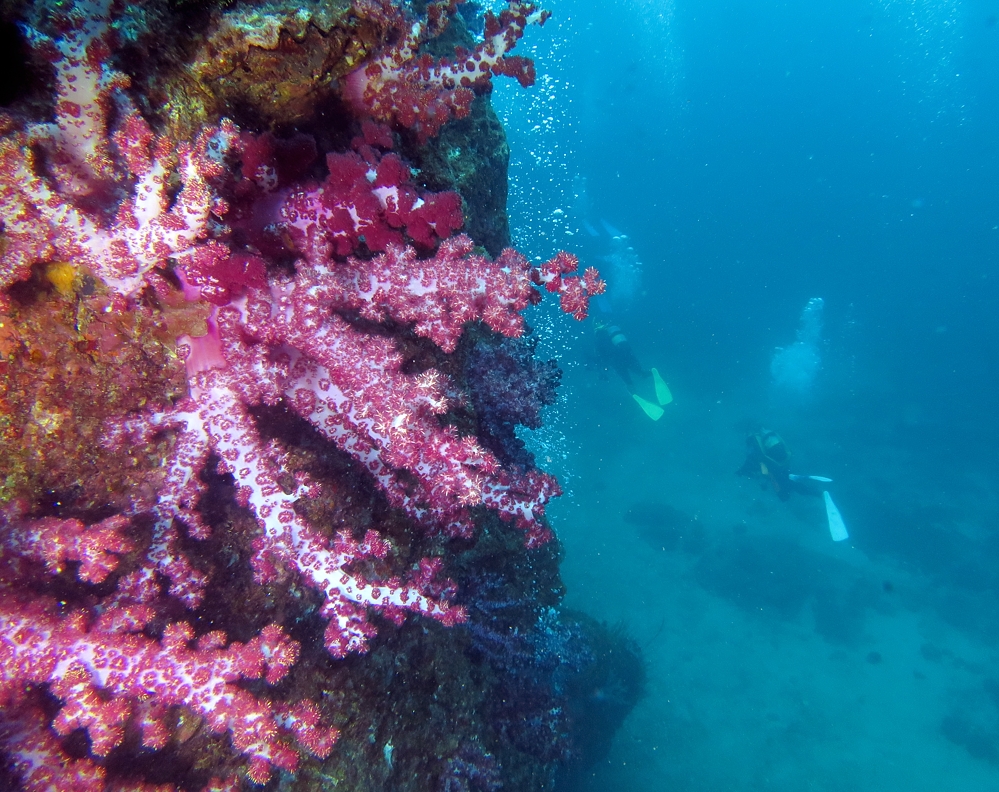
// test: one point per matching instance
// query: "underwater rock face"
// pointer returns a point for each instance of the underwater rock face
(471, 157)
(509, 388)
(277, 63)
(247, 522)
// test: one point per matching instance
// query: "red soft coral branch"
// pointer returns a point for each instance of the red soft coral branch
(44, 216)
(216, 420)
(440, 295)
(414, 90)
(368, 199)
(80, 663)
(351, 386)
(55, 541)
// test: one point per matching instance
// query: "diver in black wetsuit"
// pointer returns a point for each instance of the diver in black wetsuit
(767, 456)
(613, 350)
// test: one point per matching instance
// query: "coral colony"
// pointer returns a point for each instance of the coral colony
(239, 421)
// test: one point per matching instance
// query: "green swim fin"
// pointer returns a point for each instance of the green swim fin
(663, 396)
(654, 411)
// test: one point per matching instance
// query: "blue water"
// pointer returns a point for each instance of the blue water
(757, 155)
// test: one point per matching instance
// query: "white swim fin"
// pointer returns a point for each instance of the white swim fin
(837, 528)
(663, 396)
(654, 411)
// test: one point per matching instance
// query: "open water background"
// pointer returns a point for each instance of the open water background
(758, 154)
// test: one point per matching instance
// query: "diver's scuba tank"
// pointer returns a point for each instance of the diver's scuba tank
(616, 336)
(773, 448)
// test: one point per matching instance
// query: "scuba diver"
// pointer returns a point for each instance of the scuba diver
(614, 351)
(768, 457)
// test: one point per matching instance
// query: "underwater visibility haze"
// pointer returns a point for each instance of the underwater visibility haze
(443, 396)
(810, 190)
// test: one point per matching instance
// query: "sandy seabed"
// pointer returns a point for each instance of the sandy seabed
(778, 659)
